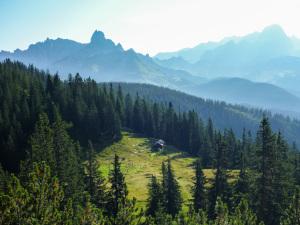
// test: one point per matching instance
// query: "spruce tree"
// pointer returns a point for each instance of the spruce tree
(128, 111)
(96, 183)
(69, 170)
(282, 178)
(199, 196)
(173, 199)
(242, 186)
(155, 198)
(118, 192)
(266, 154)
(220, 186)
(137, 116)
(41, 142)
(120, 104)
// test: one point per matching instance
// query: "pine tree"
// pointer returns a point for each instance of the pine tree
(199, 196)
(128, 111)
(46, 196)
(220, 187)
(96, 183)
(120, 104)
(242, 186)
(173, 199)
(282, 178)
(39, 202)
(137, 116)
(266, 154)
(154, 202)
(42, 148)
(118, 192)
(68, 162)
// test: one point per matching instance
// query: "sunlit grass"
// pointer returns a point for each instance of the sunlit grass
(139, 162)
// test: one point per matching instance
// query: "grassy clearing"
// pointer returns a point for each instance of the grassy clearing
(139, 163)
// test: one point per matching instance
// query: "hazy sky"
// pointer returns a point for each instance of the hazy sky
(148, 26)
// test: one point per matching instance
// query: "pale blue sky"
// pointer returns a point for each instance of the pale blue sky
(148, 26)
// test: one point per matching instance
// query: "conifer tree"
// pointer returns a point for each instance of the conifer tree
(128, 111)
(137, 117)
(96, 183)
(118, 192)
(173, 199)
(266, 154)
(42, 148)
(242, 186)
(155, 198)
(120, 104)
(67, 161)
(282, 177)
(220, 187)
(199, 196)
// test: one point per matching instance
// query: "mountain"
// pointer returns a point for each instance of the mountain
(252, 57)
(267, 56)
(242, 91)
(191, 55)
(101, 59)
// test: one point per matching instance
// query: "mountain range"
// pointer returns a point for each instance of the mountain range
(101, 59)
(258, 70)
(267, 56)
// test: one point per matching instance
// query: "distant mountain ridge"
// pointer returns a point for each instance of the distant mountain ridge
(101, 59)
(252, 57)
(242, 91)
(267, 56)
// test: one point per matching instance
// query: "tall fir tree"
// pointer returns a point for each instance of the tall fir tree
(155, 198)
(242, 187)
(266, 154)
(220, 186)
(199, 195)
(118, 192)
(41, 142)
(173, 199)
(96, 183)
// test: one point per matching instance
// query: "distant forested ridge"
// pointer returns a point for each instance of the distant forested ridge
(49, 171)
(223, 115)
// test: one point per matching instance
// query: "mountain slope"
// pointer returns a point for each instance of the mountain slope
(224, 115)
(242, 91)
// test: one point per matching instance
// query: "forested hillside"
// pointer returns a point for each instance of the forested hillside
(51, 131)
(224, 115)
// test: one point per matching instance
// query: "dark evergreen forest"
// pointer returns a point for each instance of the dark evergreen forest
(49, 130)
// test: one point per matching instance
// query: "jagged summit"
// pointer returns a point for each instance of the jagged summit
(98, 36)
